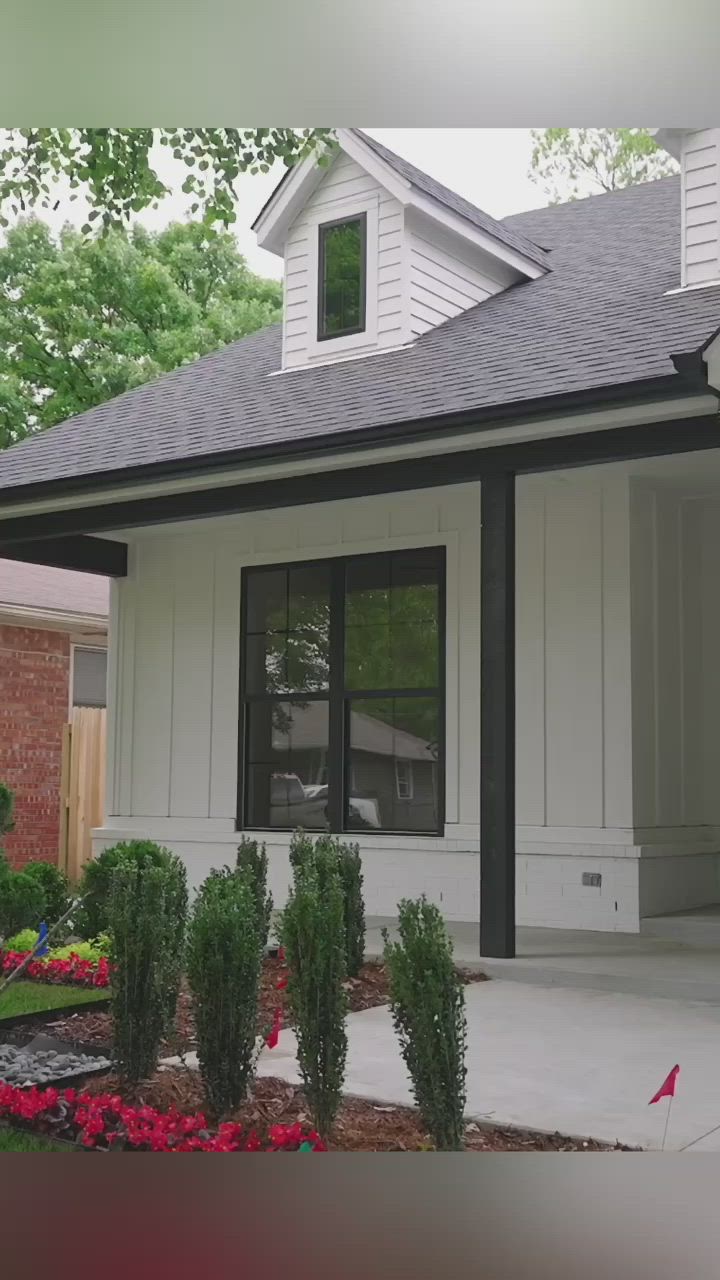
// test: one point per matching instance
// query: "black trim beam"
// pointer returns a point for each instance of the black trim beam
(497, 716)
(647, 392)
(88, 555)
(615, 444)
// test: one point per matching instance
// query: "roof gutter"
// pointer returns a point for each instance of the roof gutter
(648, 391)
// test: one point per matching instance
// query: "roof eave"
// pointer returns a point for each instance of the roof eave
(648, 390)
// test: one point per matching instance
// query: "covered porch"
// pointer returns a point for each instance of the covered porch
(575, 790)
(682, 964)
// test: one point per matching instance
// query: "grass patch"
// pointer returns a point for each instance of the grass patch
(13, 1140)
(34, 997)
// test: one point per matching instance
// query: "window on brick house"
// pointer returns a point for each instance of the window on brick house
(89, 677)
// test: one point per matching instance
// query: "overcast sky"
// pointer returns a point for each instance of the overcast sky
(487, 166)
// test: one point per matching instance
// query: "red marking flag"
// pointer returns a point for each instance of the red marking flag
(275, 1030)
(667, 1088)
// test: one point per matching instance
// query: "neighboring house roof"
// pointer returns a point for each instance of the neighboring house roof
(451, 200)
(367, 733)
(33, 589)
(602, 318)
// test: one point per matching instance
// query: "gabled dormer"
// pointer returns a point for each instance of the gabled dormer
(376, 253)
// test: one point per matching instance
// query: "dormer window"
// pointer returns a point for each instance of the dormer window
(342, 275)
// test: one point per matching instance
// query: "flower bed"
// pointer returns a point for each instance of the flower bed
(368, 991)
(72, 971)
(104, 1122)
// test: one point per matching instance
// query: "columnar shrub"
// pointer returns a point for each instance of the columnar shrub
(55, 887)
(252, 857)
(353, 907)
(147, 911)
(225, 953)
(93, 912)
(303, 849)
(313, 934)
(428, 1010)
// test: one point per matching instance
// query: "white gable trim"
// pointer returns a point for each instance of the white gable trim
(479, 239)
(286, 203)
(293, 193)
(378, 169)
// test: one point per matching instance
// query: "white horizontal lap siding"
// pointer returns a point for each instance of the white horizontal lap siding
(442, 284)
(344, 184)
(701, 207)
(390, 277)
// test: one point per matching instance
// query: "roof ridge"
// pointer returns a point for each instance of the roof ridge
(591, 197)
(453, 200)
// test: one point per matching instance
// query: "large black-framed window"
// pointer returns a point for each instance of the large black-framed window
(342, 270)
(343, 694)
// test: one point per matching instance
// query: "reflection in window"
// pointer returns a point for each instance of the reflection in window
(393, 754)
(341, 278)
(342, 694)
(286, 764)
(403, 779)
(288, 630)
(392, 622)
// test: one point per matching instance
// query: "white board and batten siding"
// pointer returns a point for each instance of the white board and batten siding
(174, 735)
(345, 190)
(176, 663)
(701, 207)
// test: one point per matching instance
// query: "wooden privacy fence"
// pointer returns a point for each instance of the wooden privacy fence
(82, 786)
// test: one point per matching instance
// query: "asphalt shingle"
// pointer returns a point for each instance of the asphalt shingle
(458, 204)
(602, 317)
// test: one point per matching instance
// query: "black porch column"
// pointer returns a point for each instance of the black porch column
(497, 715)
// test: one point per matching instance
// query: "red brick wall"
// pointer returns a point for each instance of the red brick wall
(34, 691)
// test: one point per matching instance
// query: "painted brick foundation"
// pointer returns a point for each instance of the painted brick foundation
(34, 690)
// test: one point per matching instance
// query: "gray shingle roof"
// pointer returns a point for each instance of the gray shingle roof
(423, 182)
(63, 590)
(600, 318)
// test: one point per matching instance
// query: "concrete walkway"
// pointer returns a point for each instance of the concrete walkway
(584, 1062)
(619, 962)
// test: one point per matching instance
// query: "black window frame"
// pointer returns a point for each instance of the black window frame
(338, 696)
(322, 336)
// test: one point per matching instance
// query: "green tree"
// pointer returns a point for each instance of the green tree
(83, 319)
(117, 171)
(571, 163)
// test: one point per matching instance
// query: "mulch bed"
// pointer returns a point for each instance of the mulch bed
(361, 1125)
(367, 991)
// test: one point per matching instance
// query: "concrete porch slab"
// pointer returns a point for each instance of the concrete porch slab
(584, 1063)
(633, 964)
(697, 927)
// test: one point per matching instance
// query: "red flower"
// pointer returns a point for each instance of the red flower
(72, 971)
(103, 1120)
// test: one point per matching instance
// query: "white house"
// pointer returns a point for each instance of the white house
(436, 563)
